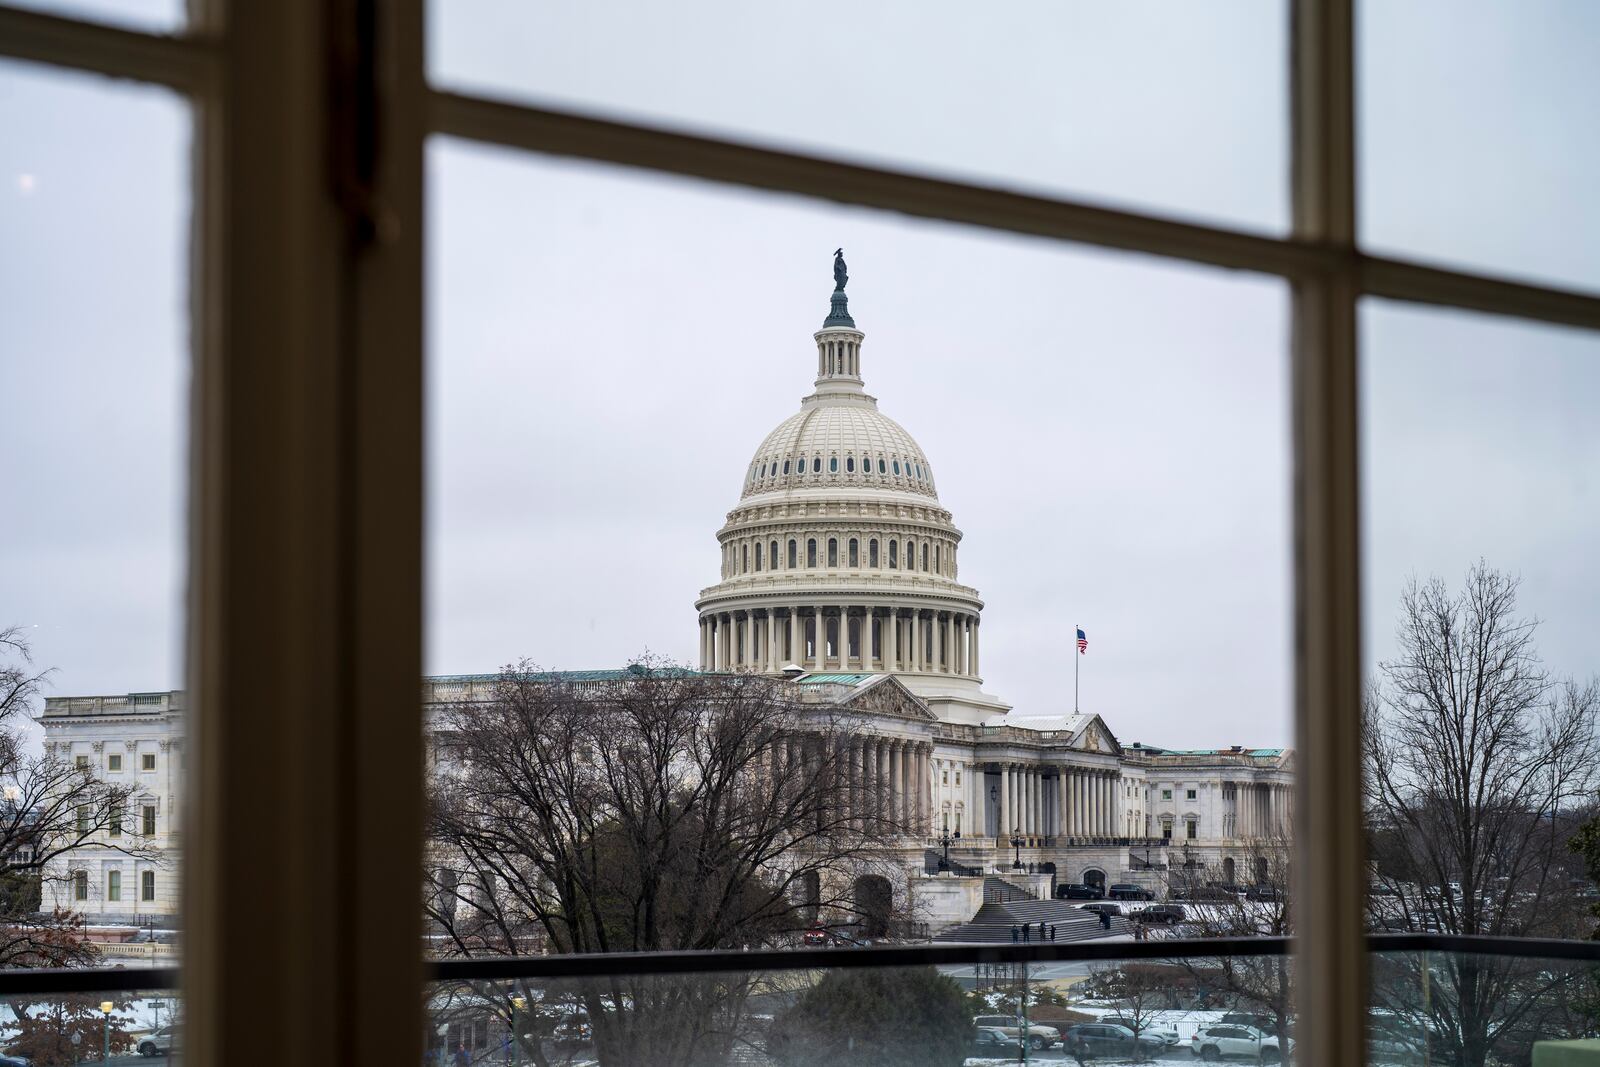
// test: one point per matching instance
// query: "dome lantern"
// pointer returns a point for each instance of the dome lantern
(839, 342)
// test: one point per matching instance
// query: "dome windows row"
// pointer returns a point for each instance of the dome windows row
(767, 471)
(755, 555)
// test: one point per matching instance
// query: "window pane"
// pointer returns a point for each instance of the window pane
(1476, 146)
(599, 315)
(1481, 513)
(94, 364)
(150, 15)
(1176, 108)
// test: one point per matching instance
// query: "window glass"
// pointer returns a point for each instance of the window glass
(1199, 355)
(155, 16)
(1467, 110)
(850, 465)
(94, 219)
(147, 890)
(1084, 100)
(1480, 510)
(113, 885)
(833, 464)
(816, 465)
(881, 468)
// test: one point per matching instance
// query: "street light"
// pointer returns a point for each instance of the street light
(1016, 844)
(106, 1007)
(945, 839)
(517, 1004)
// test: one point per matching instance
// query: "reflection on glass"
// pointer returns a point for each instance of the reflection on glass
(1177, 109)
(1468, 153)
(94, 364)
(665, 394)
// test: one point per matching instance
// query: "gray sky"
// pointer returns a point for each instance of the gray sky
(607, 348)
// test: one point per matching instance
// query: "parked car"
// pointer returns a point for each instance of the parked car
(1264, 892)
(1108, 1039)
(1129, 891)
(1078, 891)
(1162, 913)
(1039, 1037)
(1223, 1041)
(1265, 1023)
(1147, 1028)
(160, 1042)
(1102, 908)
(993, 1041)
(573, 1030)
(817, 936)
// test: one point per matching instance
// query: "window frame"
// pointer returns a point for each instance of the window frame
(283, 294)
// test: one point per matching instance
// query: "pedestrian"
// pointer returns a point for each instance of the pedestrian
(1025, 929)
(1015, 937)
(1041, 929)
(461, 1059)
(1105, 920)
(1052, 931)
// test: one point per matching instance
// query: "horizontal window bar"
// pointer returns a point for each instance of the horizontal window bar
(14, 983)
(564, 133)
(188, 64)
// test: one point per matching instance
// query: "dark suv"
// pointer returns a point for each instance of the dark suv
(1102, 1039)
(1129, 891)
(1078, 891)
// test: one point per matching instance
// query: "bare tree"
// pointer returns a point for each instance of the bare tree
(1474, 757)
(669, 810)
(48, 808)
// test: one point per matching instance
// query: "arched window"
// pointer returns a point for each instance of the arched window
(936, 567)
(924, 555)
(793, 561)
(744, 559)
(894, 555)
(833, 464)
(786, 466)
(897, 468)
(849, 464)
(758, 555)
(147, 885)
(881, 468)
(855, 553)
(872, 552)
(811, 552)
(773, 555)
(816, 465)
(833, 551)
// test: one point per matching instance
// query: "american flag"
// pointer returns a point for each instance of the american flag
(1083, 643)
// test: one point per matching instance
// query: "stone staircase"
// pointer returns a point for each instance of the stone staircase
(997, 890)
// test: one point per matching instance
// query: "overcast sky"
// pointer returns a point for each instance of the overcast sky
(607, 348)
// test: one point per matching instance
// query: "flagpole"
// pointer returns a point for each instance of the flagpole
(1076, 656)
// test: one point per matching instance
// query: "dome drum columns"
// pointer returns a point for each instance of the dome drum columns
(846, 637)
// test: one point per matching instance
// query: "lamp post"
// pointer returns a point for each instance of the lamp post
(1016, 845)
(105, 1008)
(945, 839)
(517, 1004)
(994, 798)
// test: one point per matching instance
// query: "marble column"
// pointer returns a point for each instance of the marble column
(1005, 801)
(896, 794)
(869, 641)
(976, 668)
(891, 640)
(818, 643)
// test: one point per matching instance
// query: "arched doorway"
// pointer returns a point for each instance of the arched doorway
(874, 900)
(1263, 874)
(1095, 877)
(1227, 871)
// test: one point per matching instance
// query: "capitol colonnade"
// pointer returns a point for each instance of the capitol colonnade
(886, 777)
(872, 639)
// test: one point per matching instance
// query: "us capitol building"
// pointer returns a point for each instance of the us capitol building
(840, 570)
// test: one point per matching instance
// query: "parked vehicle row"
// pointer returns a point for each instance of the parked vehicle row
(1236, 1040)
(1038, 1038)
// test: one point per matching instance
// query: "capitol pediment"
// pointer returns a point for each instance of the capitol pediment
(880, 694)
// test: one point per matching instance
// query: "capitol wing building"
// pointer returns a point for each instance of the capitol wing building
(840, 572)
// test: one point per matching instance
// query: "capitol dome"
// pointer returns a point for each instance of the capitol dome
(838, 556)
(832, 443)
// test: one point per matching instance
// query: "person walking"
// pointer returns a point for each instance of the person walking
(1025, 928)
(1015, 936)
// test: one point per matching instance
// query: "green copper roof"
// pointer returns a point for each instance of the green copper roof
(613, 675)
(845, 679)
